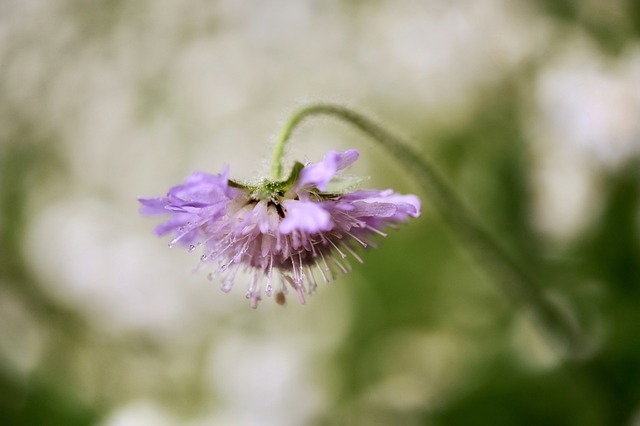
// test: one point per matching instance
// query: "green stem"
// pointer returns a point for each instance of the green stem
(285, 134)
(515, 281)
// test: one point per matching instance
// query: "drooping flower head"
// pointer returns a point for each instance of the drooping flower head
(302, 229)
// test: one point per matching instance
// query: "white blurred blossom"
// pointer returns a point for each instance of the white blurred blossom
(265, 380)
(587, 120)
(140, 413)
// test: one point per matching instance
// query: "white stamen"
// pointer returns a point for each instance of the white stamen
(324, 262)
(297, 287)
(253, 283)
(227, 284)
(296, 279)
(340, 265)
(353, 253)
(300, 295)
(324, 277)
(301, 270)
(362, 243)
(268, 288)
(342, 255)
(377, 231)
(313, 284)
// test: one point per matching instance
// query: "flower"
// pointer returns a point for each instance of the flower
(299, 227)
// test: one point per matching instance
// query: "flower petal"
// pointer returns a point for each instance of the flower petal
(319, 174)
(305, 216)
(373, 209)
(406, 205)
(201, 189)
(152, 206)
(201, 199)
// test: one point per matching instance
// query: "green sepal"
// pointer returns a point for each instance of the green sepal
(341, 185)
(269, 189)
(293, 176)
(234, 184)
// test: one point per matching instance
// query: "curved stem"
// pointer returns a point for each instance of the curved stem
(513, 279)
(285, 134)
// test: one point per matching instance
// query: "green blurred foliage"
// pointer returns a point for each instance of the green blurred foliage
(41, 402)
(485, 161)
(613, 24)
(47, 396)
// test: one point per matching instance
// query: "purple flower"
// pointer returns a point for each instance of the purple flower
(299, 227)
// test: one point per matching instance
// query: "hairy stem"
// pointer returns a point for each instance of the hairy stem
(514, 280)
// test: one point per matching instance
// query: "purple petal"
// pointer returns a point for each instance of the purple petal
(172, 224)
(261, 213)
(201, 199)
(319, 174)
(305, 216)
(201, 189)
(405, 205)
(152, 206)
(373, 209)
(256, 218)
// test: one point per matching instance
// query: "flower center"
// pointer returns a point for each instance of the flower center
(271, 190)
(267, 190)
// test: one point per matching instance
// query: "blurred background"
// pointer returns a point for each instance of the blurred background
(530, 109)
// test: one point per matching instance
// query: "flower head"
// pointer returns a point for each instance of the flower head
(300, 228)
